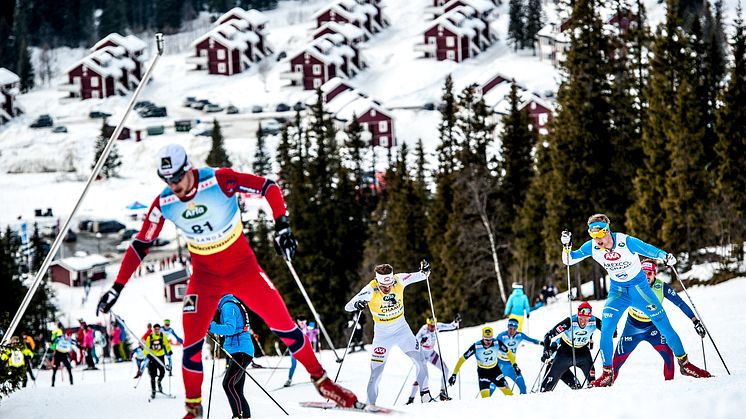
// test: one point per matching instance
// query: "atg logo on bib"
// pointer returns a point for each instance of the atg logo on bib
(193, 211)
(612, 256)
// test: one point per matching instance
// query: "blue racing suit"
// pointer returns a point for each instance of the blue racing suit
(511, 344)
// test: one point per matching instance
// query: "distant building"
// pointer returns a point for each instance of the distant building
(460, 33)
(553, 43)
(9, 88)
(495, 91)
(365, 14)
(351, 33)
(321, 60)
(75, 271)
(174, 285)
(236, 42)
(134, 48)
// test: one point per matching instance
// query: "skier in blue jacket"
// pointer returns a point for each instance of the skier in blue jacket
(234, 325)
(518, 305)
(512, 339)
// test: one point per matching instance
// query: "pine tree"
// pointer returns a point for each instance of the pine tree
(712, 66)
(533, 24)
(114, 161)
(516, 24)
(113, 18)
(645, 216)
(262, 164)
(217, 157)
(473, 130)
(25, 68)
(448, 147)
(731, 145)
(168, 16)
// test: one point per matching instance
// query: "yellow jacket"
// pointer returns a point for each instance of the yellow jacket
(16, 356)
(157, 344)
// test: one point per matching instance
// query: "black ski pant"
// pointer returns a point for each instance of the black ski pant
(155, 368)
(233, 384)
(562, 368)
(61, 358)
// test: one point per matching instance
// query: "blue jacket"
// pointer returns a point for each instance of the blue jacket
(237, 334)
(517, 303)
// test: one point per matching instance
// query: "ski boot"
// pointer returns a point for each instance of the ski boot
(333, 391)
(139, 373)
(288, 383)
(443, 396)
(160, 387)
(606, 379)
(425, 397)
(194, 409)
(410, 401)
(687, 368)
(152, 394)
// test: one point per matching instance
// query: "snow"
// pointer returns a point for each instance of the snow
(82, 263)
(641, 378)
(8, 77)
(130, 42)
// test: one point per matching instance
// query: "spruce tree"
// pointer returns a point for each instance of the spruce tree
(448, 147)
(262, 165)
(516, 24)
(25, 68)
(217, 157)
(731, 145)
(533, 24)
(113, 18)
(114, 161)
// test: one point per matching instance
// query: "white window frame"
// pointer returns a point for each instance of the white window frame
(450, 41)
(221, 68)
(299, 68)
(316, 83)
(94, 94)
(221, 54)
(431, 40)
(543, 118)
(383, 141)
(316, 70)
(76, 80)
(203, 53)
(383, 126)
(451, 55)
(180, 291)
(94, 81)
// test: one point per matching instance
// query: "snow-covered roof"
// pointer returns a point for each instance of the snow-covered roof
(332, 84)
(456, 22)
(253, 17)
(348, 30)
(359, 107)
(82, 263)
(479, 5)
(8, 77)
(329, 48)
(502, 105)
(130, 42)
(108, 62)
(231, 34)
(353, 14)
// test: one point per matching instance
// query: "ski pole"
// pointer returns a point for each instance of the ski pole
(344, 355)
(212, 375)
(230, 357)
(569, 301)
(94, 174)
(592, 366)
(145, 348)
(458, 348)
(707, 331)
(276, 366)
(404, 383)
(704, 357)
(313, 309)
(435, 320)
(533, 386)
(258, 344)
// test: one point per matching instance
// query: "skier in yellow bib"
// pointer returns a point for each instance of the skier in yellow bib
(384, 296)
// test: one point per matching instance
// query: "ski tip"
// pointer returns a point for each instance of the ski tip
(359, 407)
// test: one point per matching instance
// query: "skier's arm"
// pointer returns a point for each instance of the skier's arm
(509, 305)
(672, 296)
(421, 333)
(469, 352)
(232, 182)
(172, 332)
(229, 314)
(365, 294)
(529, 339)
(444, 327)
(141, 244)
(410, 278)
(638, 246)
(167, 346)
(556, 330)
(574, 256)
(526, 306)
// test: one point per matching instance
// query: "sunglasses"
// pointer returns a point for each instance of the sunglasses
(597, 234)
(175, 178)
(584, 312)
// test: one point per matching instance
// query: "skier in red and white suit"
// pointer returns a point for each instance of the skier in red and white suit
(202, 203)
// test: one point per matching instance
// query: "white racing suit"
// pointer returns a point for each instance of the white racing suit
(391, 329)
(427, 341)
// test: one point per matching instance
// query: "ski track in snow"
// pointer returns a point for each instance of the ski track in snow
(640, 390)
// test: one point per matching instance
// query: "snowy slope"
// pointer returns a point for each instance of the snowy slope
(639, 392)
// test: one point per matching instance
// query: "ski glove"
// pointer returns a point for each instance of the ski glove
(360, 305)
(452, 380)
(425, 267)
(699, 328)
(590, 345)
(546, 355)
(423, 340)
(566, 238)
(670, 260)
(516, 369)
(285, 242)
(107, 300)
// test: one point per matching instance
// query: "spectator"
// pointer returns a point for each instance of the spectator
(88, 344)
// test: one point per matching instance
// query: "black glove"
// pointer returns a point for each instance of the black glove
(107, 300)
(545, 355)
(590, 345)
(554, 346)
(360, 305)
(516, 369)
(425, 267)
(699, 328)
(423, 340)
(457, 318)
(528, 315)
(285, 242)
(452, 380)
(169, 353)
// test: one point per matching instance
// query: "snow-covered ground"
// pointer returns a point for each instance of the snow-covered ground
(640, 390)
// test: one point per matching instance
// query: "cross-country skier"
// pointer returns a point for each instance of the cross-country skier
(141, 361)
(62, 347)
(618, 254)
(384, 296)
(518, 305)
(157, 349)
(580, 328)
(512, 339)
(17, 355)
(234, 325)
(488, 372)
(203, 205)
(170, 333)
(426, 337)
(639, 327)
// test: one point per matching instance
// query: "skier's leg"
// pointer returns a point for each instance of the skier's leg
(152, 372)
(230, 384)
(485, 380)
(585, 362)
(378, 358)
(616, 304)
(500, 382)
(293, 364)
(562, 361)
(200, 302)
(238, 385)
(507, 370)
(442, 368)
(260, 295)
(626, 345)
(66, 363)
(408, 343)
(415, 387)
(658, 342)
(646, 300)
